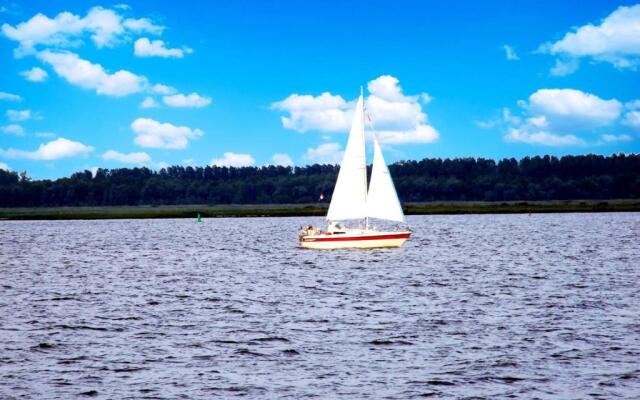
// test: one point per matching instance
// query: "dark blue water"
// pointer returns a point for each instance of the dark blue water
(491, 306)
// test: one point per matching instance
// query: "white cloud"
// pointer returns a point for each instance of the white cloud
(327, 113)
(5, 167)
(154, 134)
(127, 158)
(510, 53)
(488, 124)
(9, 96)
(142, 25)
(92, 76)
(565, 67)
(420, 134)
(56, 149)
(506, 117)
(159, 88)
(18, 115)
(387, 87)
(122, 6)
(144, 47)
(35, 74)
(106, 28)
(13, 129)
(633, 104)
(540, 137)
(608, 138)
(193, 100)
(615, 40)
(398, 118)
(574, 107)
(46, 134)
(632, 119)
(426, 98)
(326, 153)
(551, 117)
(148, 102)
(230, 159)
(282, 159)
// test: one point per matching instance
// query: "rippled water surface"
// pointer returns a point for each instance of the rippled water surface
(492, 306)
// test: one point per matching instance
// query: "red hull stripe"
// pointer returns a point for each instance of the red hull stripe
(340, 238)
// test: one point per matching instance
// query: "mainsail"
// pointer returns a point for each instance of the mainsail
(382, 200)
(349, 198)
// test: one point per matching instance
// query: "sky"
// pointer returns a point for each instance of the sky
(86, 85)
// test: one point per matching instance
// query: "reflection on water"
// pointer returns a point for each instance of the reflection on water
(545, 306)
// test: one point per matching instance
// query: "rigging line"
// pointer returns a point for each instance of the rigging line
(369, 119)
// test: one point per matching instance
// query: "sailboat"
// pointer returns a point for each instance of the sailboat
(352, 203)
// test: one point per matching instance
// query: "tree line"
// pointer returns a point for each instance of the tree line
(431, 179)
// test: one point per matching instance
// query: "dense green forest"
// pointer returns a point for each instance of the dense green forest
(460, 179)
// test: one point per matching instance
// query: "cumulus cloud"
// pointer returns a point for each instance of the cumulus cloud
(632, 105)
(230, 159)
(154, 134)
(398, 118)
(9, 96)
(615, 40)
(608, 138)
(35, 74)
(420, 134)
(528, 134)
(193, 100)
(13, 129)
(574, 107)
(326, 113)
(18, 115)
(159, 88)
(92, 76)
(106, 28)
(53, 150)
(282, 159)
(144, 47)
(510, 53)
(127, 158)
(148, 102)
(326, 153)
(565, 67)
(632, 119)
(4, 166)
(551, 117)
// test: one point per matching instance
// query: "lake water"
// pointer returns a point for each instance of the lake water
(478, 306)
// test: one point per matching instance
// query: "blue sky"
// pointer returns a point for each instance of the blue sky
(253, 83)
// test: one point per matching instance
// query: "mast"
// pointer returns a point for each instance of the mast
(366, 218)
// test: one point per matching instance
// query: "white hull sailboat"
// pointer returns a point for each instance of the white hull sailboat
(352, 203)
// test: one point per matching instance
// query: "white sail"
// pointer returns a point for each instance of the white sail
(349, 198)
(382, 200)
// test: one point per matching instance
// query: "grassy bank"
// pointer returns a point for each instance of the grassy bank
(291, 210)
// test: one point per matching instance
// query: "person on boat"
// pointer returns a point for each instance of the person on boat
(335, 227)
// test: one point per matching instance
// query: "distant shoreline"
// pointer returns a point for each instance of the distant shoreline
(300, 210)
